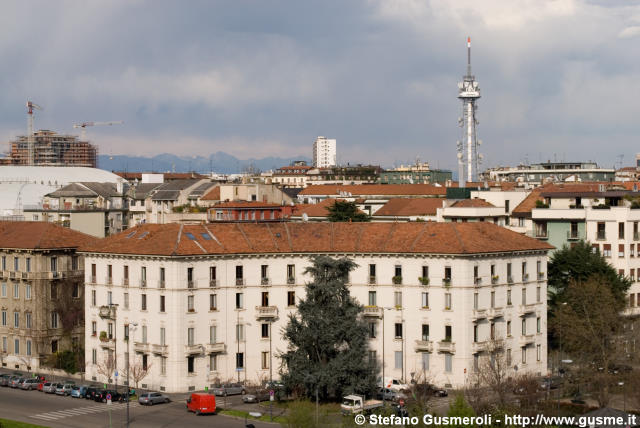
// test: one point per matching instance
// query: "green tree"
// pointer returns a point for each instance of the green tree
(327, 337)
(460, 408)
(579, 263)
(346, 211)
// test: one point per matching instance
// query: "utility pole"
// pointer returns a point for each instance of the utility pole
(129, 329)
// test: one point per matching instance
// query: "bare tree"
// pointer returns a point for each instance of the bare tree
(421, 392)
(106, 367)
(137, 371)
(492, 382)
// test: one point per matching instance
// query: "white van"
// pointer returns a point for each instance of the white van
(394, 384)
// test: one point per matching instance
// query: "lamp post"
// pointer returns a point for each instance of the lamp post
(383, 359)
(270, 374)
(129, 327)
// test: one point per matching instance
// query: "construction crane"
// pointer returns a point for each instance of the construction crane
(30, 139)
(83, 126)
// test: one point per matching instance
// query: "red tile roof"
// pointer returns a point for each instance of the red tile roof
(410, 206)
(259, 238)
(375, 189)
(472, 203)
(524, 208)
(40, 235)
(212, 195)
(321, 209)
(246, 204)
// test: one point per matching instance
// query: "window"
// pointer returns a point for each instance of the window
(372, 274)
(425, 300)
(191, 332)
(475, 332)
(524, 326)
(143, 302)
(94, 356)
(397, 298)
(448, 363)
(190, 277)
(264, 330)
(4, 318)
(4, 262)
(475, 274)
(94, 328)
(600, 231)
(125, 275)
(372, 330)
(76, 291)
(425, 332)
(239, 303)
(509, 276)
(126, 300)
(213, 362)
(190, 364)
(109, 274)
(213, 302)
(16, 291)
(475, 301)
(538, 352)
(109, 297)
(264, 298)
(4, 345)
(524, 355)
(162, 278)
(54, 264)
(509, 297)
(397, 272)
(620, 250)
(93, 297)
(162, 303)
(621, 230)
(16, 264)
(212, 276)
(606, 250)
(143, 276)
(524, 295)
(447, 333)
(264, 273)
(492, 331)
(4, 290)
(447, 273)
(541, 229)
(239, 273)
(398, 330)
(372, 298)
(54, 291)
(398, 360)
(16, 346)
(425, 272)
(74, 263)
(27, 320)
(291, 274)
(265, 360)
(239, 332)
(144, 334)
(508, 328)
(525, 275)
(447, 301)
(54, 320)
(239, 360)
(508, 358)
(16, 319)
(190, 307)
(291, 298)
(493, 299)
(54, 346)
(163, 336)
(372, 357)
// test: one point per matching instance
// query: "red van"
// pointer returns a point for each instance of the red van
(201, 403)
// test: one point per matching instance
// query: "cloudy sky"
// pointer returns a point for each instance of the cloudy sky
(559, 79)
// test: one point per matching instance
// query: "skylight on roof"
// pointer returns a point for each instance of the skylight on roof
(206, 236)
(190, 236)
(143, 235)
(131, 234)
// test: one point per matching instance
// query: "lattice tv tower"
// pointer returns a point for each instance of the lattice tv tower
(468, 92)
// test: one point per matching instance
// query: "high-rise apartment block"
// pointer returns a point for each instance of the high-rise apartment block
(52, 149)
(324, 152)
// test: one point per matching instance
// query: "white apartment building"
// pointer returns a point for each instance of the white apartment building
(210, 301)
(324, 152)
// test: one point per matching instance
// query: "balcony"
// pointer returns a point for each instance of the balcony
(162, 283)
(291, 280)
(108, 344)
(107, 312)
(494, 279)
(266, 312)
(265, 281)
(479, 314)
(509, 279)
(140, 347)
(479, 347)
(572, 235)
(372, 280)
(143, 283)
(160, 349)
(215, 348)
(540, 276)
(636, 236)
(125, 282)
(446, 281)
(601, 236)
(193, 349)
(93, 279)
(424, 346)
(213, 283)
(529, 309)
(525, 277)
(446, 346)
(12, 274)
(191, 284)
(477, 281)
(396, 280)
(373, 311)
(108, 280)
(496, 313)
(25, 275)
(240, 282)
(527, 340)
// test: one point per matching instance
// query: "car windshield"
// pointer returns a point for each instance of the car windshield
(348, 402)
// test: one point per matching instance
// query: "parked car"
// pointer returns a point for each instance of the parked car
(201, 403)
(256, 397)
(390, 395)
(29, 384)
(229, 389)
(101, 396)
(151, 398)
(16, 382)
(49, 387)
(550, 382)
(63, 389)
(90, 393)
(5, 379)
(78, 391)
(439, 392)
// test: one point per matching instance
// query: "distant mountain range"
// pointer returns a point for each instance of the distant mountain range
(219, 162)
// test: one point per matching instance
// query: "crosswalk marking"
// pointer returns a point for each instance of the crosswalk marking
(60, 414)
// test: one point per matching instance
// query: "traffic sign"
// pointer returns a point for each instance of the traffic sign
(271, 392)
(108, 396)
(116, 373)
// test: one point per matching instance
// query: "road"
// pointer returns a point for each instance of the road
(56, 411)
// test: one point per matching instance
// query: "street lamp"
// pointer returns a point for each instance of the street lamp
(129, 327)
(384, 308)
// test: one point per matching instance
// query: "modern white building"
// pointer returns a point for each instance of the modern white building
(210, 301)
(324, 152)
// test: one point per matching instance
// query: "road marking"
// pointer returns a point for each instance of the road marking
(61, 414)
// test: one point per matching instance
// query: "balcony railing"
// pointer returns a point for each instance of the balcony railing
(215, 348)
(161, 283)
(446, 281)
(266, 311)
(191, 284)
(572, 235)
(143, 283)
(510, 279)
(108, 280)
(107, 312)
(107, 344)
(540, 276)
(93, 279)
(478, 346)
(527, 309)
(125, 282)
(424, 346)
(447, 346)
(495, 279)
(141, 347)
(160, 349)
(24, 275)
(396, 280)
(601, 236)
(477, 281)
(291, 280)
(193, 349)
(496, 313)
(636, 236)
(213, 283)
(373, 311)
(239, 281)
(264, 281)
(527, 339)
(372, 280)
(525, 277)
(479, 314)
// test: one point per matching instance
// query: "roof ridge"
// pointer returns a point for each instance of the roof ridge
(175, 248)
(458, 237)
(359, 238)
(212, 235)
(275, 243)
(288, 236)
(418, 236)
(238, 226)
(389, 234)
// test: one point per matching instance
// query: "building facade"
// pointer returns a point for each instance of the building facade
(40, 274)
(210, 301)
(52, 149)
(324, 152)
